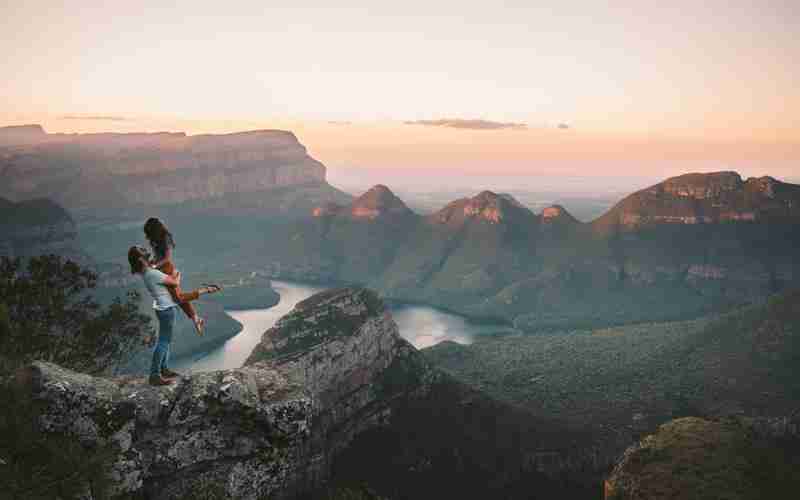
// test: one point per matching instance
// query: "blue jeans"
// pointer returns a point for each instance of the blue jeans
(166, 325)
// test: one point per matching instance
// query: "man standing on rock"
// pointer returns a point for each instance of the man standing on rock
(164, 304)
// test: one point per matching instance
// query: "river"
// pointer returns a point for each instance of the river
(423, 326)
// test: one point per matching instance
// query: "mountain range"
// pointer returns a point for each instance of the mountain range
(681, 248)
(684, 247)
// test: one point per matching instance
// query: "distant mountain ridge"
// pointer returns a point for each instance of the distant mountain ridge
(703, 198)
(21, 134)
(486, 206)
(686, 199)
(109, 171)
(684, 247)
(377, 202)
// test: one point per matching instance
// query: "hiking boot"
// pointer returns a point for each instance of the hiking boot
(158, 380)
(167, 373)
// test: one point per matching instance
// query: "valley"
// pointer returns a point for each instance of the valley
(633, 378)
(690, 246)
(413, 250)
(569, 337)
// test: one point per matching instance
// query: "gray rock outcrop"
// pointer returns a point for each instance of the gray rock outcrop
(267, 430)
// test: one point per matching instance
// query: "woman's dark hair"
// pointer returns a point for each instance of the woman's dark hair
(158, 235)
(135, 256)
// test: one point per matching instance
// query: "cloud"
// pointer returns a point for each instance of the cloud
(469, 124)
(339, 122)
(108, 118)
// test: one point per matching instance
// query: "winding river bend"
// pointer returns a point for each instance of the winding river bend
(423, 326)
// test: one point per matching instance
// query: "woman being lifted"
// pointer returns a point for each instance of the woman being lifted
(162, 243)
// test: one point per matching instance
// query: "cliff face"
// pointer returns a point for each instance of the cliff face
(235, 432)
(21, 134)
(339, 345)
(269, 429)
(703, 199)
(102, 171)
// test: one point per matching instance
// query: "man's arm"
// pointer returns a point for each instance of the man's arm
(166, 279)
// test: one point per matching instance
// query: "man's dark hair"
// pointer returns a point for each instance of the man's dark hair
(136, 258)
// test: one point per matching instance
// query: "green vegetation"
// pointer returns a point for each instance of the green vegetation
(47, 314)
(587, 377)
(638, 375)
(705, 460)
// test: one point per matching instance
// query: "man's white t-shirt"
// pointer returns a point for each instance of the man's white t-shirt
(154, 282)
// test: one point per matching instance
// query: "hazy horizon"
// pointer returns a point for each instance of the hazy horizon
(581, 89)
(425, 170)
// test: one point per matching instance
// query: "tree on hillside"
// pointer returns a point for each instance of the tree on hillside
(47, 313)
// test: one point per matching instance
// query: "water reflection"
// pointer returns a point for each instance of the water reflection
(254, 322)
(425, 326)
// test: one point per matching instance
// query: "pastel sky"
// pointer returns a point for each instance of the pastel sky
(638, 87)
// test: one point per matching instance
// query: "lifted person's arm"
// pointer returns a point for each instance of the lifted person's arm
(172, 280)
(160, 262)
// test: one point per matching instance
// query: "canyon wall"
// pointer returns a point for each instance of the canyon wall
(100, 172)
(703, 199)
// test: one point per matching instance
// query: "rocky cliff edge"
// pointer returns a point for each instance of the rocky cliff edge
(324, 373)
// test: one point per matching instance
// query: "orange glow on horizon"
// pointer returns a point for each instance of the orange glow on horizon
(552, 151)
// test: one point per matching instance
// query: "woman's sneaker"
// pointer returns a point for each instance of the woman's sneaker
(211, 288)
(167, 373)
(199, 325)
